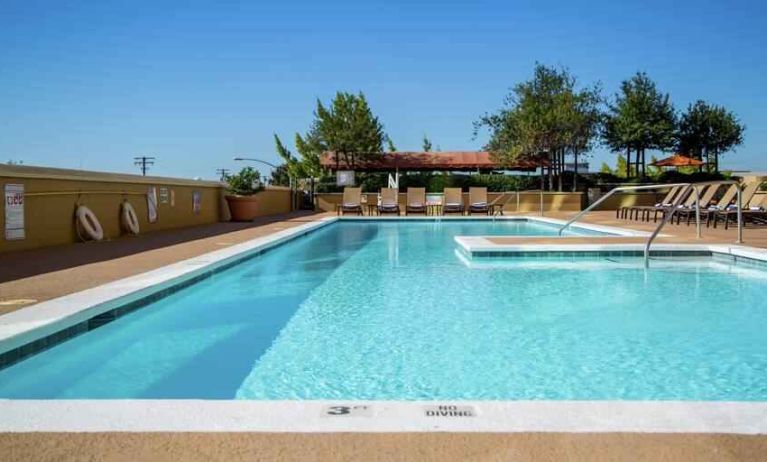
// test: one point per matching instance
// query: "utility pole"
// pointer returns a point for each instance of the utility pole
(144, 162)
(222, 173)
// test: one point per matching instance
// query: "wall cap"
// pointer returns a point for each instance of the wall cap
(50, 173)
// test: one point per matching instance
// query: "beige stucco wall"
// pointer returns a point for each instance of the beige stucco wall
(52, 196)
(630, 199)
(273, 200)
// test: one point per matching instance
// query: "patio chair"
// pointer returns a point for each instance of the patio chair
(478, 201)
(497, 205)
(351, 202)
(453, 201)
(389, 201)
(416, 201)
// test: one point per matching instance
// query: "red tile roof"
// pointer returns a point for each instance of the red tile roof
(445, 160)
(677, 160)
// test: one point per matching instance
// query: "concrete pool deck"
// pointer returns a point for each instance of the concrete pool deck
(62, 273)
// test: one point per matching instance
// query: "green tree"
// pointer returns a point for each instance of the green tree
(706, 131)
(349, 128)
(653, 171)
(390, 145)
(621, 167)
(280, 176)
(640, 118)
(426, 144)
(544, 119)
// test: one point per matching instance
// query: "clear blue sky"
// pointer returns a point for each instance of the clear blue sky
(92, 84)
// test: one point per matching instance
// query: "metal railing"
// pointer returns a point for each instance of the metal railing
(669, 210)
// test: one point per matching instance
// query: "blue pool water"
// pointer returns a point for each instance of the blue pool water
(388, 310)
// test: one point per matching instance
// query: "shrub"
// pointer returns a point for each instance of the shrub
(245, 183)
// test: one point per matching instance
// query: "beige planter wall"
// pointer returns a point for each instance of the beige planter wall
(528, 201)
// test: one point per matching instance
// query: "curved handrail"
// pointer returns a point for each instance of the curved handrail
(613, 191)
(672, 209)
(675, 209)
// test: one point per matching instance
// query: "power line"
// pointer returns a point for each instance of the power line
(144, 162)
(222, 173)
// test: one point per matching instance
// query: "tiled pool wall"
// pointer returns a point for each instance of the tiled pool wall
(588, 254)
(739, 260)
(585, 254)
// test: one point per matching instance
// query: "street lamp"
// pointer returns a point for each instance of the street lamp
(250, 159)
(290, 179)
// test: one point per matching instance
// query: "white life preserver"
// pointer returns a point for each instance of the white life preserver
(129, 218)
(89, 223)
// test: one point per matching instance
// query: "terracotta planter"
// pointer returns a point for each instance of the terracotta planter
(243, 208)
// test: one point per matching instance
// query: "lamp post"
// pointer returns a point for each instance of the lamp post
(290, 179)
(250, 159)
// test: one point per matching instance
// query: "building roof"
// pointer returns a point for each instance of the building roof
(444, 160)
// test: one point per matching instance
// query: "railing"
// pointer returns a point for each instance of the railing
(669, 210)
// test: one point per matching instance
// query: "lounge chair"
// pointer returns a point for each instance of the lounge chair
(688, 210)
(452, 201)
(389, 201)
(478, 201)
(730, 211)
(664, 207)
(757, 210)
(351, 202)
(416, 201)
(629, 211)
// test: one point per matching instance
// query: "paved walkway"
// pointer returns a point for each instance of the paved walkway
(438, 447)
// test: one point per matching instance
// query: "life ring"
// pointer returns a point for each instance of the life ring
(129, 218)
(89, 223)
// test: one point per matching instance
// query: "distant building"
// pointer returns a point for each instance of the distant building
(583, 167)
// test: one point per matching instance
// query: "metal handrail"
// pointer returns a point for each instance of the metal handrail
(609, 194)
(673, 208)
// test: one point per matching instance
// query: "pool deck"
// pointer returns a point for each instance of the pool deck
(31, 276)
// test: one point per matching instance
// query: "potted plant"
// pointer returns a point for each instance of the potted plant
(242, 200)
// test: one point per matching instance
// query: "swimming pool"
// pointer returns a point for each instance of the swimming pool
(387, 311)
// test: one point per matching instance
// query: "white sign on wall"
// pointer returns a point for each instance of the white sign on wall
(151, 204)
(14, 212)
(345, 178)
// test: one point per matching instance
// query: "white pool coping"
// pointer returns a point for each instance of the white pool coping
(37, 321)
(381, 416)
